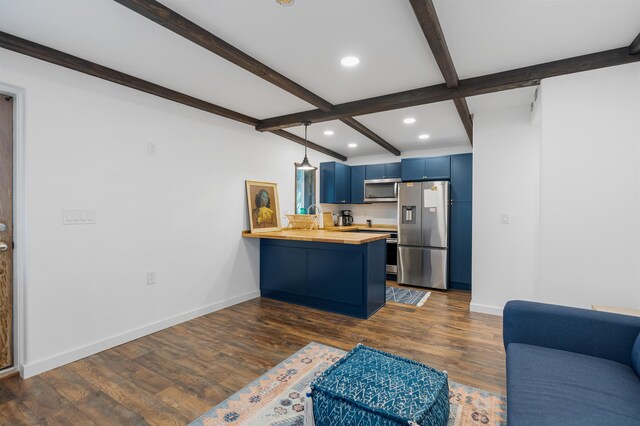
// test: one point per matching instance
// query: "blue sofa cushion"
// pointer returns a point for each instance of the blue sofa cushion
(555, 387)
(635, 356)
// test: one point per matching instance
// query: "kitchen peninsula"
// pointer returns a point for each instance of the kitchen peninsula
(342, 272)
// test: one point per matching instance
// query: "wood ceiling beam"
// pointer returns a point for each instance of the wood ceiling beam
(47, 54)
(297, 139)
(180, 25)
(491, 83)
(427, 17)
(359, 127)
(634, 47)
(162, 15)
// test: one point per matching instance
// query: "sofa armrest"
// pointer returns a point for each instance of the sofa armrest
(599, 334)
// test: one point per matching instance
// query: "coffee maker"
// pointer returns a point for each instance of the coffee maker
(347, 219)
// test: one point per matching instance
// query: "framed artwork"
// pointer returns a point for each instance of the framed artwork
(264, 207)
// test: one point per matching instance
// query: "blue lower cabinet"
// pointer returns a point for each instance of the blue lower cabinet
(293, 278)
(357, 184)
(342, 278)
(324, 283)
(460, 246)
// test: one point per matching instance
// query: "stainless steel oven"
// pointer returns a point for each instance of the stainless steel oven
(392, 254)
(381, 190)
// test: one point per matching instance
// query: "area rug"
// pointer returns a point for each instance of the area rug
(277, 397)
(406, 296)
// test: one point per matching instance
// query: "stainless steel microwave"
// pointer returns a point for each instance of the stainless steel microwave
(381, 190)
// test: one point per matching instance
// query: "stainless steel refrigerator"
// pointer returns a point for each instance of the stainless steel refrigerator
(423, 234)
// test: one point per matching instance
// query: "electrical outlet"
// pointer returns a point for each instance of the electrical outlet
(152, 149)
(151, 277)
(505, 218)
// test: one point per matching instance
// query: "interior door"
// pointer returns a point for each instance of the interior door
(6, 231)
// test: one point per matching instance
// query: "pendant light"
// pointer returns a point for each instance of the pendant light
(305, 165)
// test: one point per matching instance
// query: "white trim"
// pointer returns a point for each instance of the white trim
(19, 222)
(485, 309)
(31, 369)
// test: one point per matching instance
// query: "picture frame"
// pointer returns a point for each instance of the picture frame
(264, 206)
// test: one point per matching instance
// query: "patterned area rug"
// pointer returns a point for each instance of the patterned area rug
(277, 397)
(409, 297)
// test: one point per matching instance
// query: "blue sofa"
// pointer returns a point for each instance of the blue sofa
(569, 366)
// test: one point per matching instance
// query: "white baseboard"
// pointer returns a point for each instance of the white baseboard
(38, 367)
(485, 309)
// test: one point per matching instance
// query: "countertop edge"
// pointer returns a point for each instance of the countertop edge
(335, 239)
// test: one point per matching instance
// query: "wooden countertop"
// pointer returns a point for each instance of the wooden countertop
(362, 227)
(319, 236)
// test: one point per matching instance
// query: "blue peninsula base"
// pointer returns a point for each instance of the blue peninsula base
(347, 279)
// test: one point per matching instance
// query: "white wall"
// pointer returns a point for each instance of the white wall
(506, 180)
(590, 188)
(575, 239)
(180, 213)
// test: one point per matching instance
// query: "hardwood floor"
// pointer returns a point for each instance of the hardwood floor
(175, 375)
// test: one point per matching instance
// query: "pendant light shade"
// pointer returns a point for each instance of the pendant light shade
(305, 165)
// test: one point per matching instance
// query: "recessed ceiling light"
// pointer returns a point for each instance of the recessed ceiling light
(409, 120)
(424, 136)
(285, 2)
(350, 61)
(328, 132)
(353, 145)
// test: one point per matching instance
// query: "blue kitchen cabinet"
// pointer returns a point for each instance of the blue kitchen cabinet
(383, 171)
(335, 183)
(292, 277)
(357, 184)
(374, 171)
(425, 168)
(438, 168)
(460, 246)
(392, 170)
(461, 177)
(413, 169)
(343, 287)
(343, 278)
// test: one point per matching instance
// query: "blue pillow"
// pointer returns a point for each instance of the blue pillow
(635, 356)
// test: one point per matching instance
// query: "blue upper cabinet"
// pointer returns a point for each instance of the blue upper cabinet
(335, 183)
(374, 171)
(413, 169)
(392, 170)
(429, 168)
(461, 177)
(357, 184)
(383, 171)
(438, 167)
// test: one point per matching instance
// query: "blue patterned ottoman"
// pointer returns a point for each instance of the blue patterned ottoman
(369, 387)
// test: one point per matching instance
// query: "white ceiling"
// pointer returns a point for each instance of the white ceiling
(306, 41)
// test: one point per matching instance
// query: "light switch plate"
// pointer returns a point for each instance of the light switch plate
(151, 277)
(505, 218)
(152, 149)
(78, 216)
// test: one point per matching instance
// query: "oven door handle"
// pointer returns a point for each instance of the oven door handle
(392, 241)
